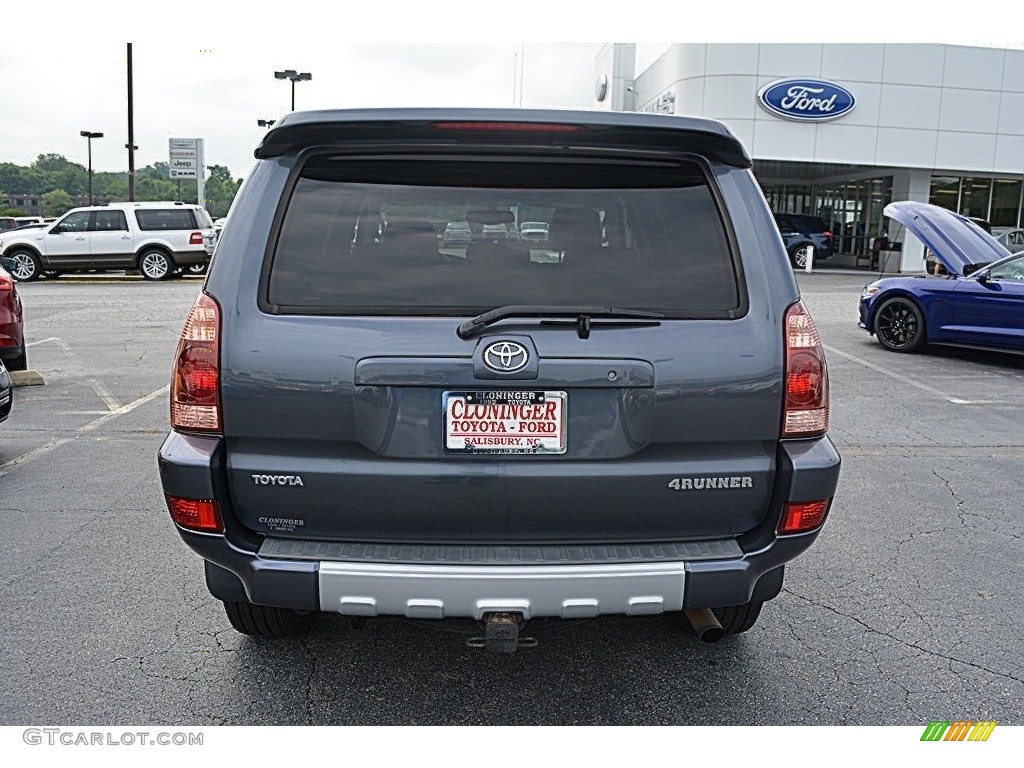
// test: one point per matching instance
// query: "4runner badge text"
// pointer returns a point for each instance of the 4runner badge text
(277, 479)
(710, 483)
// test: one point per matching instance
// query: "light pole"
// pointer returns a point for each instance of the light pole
(130, 146)
(265, 123)
(295, 77)
(90, 135)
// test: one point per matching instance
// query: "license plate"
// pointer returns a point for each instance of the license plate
(505, 422)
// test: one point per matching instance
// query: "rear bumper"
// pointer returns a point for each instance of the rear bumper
(11, 352)
(186, 258)
(429, 583)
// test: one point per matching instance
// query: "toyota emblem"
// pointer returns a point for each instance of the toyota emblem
(506, 356)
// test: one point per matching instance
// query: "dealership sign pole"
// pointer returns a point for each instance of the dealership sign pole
(186, 161)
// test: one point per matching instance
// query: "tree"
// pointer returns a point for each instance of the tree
(19, 180)
(220, 190)
(57, 202)
(61, 173)
(111, 186)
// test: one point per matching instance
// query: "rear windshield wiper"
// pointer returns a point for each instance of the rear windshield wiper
(472, 327)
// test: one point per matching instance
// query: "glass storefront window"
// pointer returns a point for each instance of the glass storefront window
(945, 192)
(974, 197)
(1005, 203)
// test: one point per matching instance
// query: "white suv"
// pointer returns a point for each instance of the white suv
(158, 239)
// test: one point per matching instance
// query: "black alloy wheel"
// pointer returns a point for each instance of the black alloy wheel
(899, 325)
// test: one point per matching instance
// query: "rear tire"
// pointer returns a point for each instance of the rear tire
(738, 618)
(154, 264)
(266, 621)
(798, 256)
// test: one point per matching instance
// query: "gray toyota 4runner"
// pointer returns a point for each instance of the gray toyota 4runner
(627, 418)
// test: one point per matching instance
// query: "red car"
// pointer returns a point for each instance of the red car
(12, 325)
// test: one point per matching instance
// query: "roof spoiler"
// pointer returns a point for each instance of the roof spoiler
(560, 128)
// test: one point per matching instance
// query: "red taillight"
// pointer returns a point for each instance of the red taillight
(827, 234)
(196, 514)
(806, 409)
(489, 126)
(195, 377)
(6, 281)
(800, 517)
(196, 238)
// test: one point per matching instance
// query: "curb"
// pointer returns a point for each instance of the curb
(26, 378)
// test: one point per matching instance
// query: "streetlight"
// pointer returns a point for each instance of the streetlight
(291, 74)
(265, 123)
(90, 135)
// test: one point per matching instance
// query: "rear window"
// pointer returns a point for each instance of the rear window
(165, 219)
(812, 223)
(205, 222)
(367, 237)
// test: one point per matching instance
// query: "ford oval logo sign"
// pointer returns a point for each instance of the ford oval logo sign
(813, 100)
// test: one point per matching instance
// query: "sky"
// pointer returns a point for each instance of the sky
(207, 69)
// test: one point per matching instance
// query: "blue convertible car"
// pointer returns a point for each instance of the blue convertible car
(978, 303)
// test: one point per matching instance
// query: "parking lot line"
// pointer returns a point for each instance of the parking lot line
(42, 341)
(899, 377)
(105, 394)
(93, 425)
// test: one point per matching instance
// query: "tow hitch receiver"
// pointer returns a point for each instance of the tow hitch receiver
(501, 634)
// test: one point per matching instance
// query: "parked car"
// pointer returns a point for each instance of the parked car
(457, 233)
(1011, 238)
(23, 220)
(534, 231)
(155, 238)
(800, 232)
(495, 233)
(6, 393)
(979, 302)
(12, 324)
(384, 431)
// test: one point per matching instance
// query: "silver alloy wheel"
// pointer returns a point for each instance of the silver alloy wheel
(24, 267)
(800, 257)
(155, 265)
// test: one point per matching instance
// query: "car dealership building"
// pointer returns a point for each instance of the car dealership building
(839, 130)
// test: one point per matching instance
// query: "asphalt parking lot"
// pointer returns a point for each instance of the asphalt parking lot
(908, 608)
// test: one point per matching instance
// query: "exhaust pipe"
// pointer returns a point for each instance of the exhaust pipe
(704, 624)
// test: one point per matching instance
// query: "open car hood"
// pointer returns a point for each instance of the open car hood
(954, 240)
